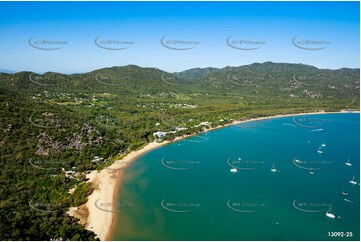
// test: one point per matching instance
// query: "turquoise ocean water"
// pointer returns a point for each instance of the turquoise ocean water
(186, 191)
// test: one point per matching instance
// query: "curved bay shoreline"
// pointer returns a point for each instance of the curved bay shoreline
(105, 183)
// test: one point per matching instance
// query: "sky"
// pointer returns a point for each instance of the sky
(70, 37)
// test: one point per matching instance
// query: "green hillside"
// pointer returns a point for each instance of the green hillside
(53, 123)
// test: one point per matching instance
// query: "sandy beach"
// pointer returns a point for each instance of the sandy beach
(97, 214)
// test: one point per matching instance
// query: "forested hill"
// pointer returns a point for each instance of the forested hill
(273, 79)
(281, 79)
(54, 128)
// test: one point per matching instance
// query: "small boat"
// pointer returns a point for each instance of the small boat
(353, 181)
(330, 214)
(273, 169)
(348, 163)
(349, 201)
(319, 150)
(311, 173)
(239, 158)
(233, 170)
(344, 193)
(323, 144)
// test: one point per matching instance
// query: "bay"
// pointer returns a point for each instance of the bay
(186, 191)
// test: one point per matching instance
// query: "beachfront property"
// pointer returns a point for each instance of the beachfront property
(204, 124)
(97, 159)
(160, 135)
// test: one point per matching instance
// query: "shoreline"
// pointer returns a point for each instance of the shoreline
(96, 215)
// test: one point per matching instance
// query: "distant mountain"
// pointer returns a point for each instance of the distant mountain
(196, 73)
(2, 70)
(266, 79)
(119, 79)
(282, 79)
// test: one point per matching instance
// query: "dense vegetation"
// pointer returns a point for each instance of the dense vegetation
(54, 128)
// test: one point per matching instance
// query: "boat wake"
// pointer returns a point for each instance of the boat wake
(347, 200)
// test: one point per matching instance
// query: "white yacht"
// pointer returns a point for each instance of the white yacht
(348, 163)
(233, 170)
(319, 150)
(323, 144)
(344, 193)
(353, 181)
(273, 169)
(330, 214)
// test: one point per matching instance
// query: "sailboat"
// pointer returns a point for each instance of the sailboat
(344, 193)
(319, 150)
(348, 163)
(273, 169)
(353, 181)
(329, 213)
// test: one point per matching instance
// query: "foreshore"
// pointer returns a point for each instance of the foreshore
(94, 214)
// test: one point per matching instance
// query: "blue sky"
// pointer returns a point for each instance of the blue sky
(209, 24)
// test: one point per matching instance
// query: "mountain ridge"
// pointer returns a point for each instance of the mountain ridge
(266, 79)
(5, 71)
